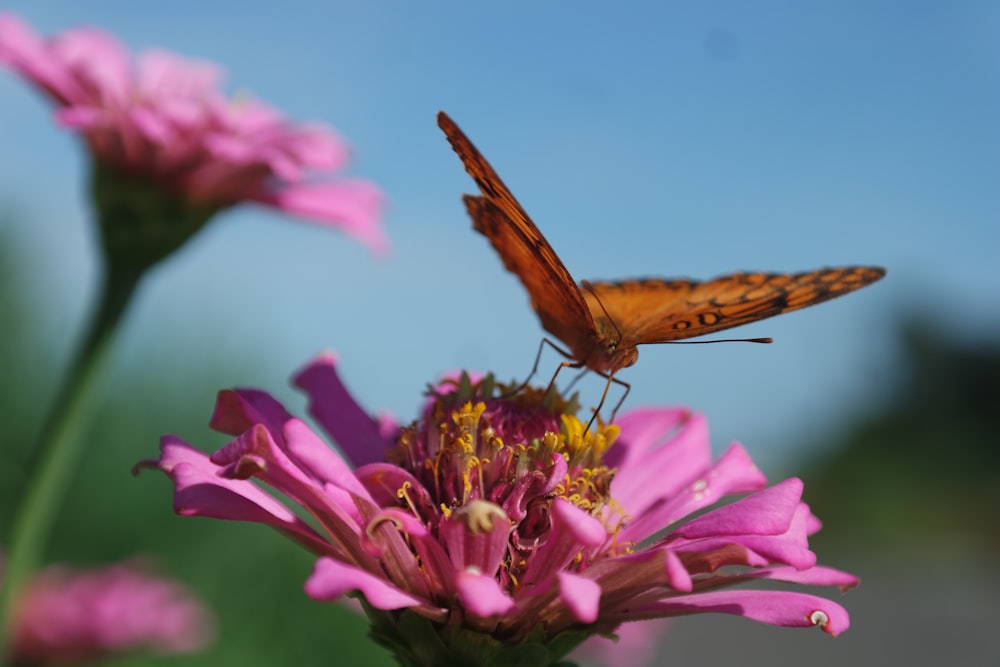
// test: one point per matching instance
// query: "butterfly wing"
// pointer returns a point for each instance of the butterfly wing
(655, 310)
(499, 217)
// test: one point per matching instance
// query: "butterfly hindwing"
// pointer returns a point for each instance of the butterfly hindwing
(657, 310)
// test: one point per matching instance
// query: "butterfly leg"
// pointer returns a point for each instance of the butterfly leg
(604, 396)
(565, 364)
(534, 367)
(576, 379)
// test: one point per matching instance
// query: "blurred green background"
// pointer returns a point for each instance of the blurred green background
(678, 139)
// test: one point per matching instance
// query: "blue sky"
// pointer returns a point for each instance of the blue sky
(678, 139)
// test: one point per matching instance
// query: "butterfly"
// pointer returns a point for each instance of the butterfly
(603, 323)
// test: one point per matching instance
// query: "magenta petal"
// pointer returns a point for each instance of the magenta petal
(581, 595)
(200, 491)
(357, 435)
(481, 594)
(818, 575)
(766, 512)
(331, 579)
(476, 536)
(734, 472)
(584, 528)
(649, 437)
(572, 528)
(314, 455)
(782, 608)
(677, 575)
(238, 410)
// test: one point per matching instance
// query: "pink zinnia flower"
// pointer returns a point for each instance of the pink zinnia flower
(66, 616)
(498, 523)
(163, 122)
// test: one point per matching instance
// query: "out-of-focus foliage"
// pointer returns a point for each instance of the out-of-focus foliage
(249, 575)
(926, 467)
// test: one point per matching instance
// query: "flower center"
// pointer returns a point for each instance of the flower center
(513, 447)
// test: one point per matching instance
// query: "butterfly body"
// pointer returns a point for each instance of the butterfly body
(604, 322)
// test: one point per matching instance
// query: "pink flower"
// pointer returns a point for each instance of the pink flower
(163, 121)
(497, 514)
(67, 617)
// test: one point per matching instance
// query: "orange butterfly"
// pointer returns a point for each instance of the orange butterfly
(603, 322)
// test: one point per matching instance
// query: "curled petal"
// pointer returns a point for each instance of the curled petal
(200, 491)
(238, 410)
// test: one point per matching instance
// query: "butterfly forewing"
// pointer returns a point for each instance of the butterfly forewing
(657, 310)
(525, 252)
(603, 322)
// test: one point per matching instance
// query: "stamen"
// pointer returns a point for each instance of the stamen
(819, 618)
(479, 515)
(403, 493)
(378, 521)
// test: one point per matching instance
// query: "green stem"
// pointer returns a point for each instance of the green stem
(51, 463)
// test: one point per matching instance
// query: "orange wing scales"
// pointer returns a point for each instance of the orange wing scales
(603, 322)
(524, 251)
(660, 310)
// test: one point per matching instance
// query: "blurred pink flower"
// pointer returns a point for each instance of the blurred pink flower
(163, 120)
(66, 616)
(500, 515)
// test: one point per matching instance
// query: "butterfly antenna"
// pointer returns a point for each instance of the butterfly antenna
(721, 340)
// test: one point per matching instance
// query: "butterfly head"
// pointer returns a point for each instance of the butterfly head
(611, 355)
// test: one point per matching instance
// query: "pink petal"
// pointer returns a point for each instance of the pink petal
(734, 472)
(585, 528)
(476, 535)
(647, 430)
(572, 530)
(767, 512)
(238, 410)
(317, 457)
(581, 595)
(24, 50)
(481, 594)
(782, 608)
(331, 579)
(200, 491)
(162, 74)
(635, 645)
(353, 207)
(813, 576)
(356, 433)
